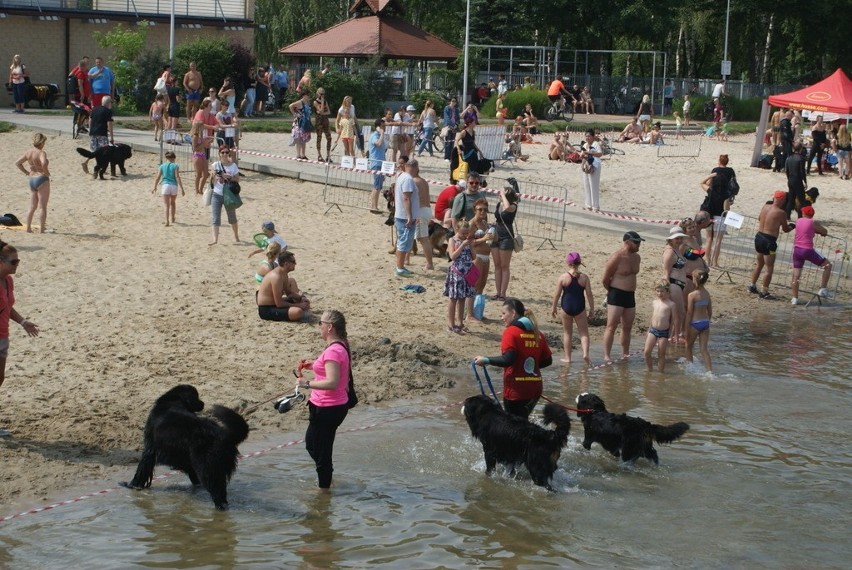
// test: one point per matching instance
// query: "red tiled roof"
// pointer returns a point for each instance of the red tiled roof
(371, 35)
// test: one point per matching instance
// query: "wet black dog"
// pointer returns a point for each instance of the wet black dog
(623, 436)
(203, 448)
(510, 440)
(111, 155)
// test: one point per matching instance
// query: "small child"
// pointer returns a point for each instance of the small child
(572, 286)
(156, 115)
(699, 311)
(661, 321)
(272, 236)
(169, 173)
(456, 287)
(679, 123)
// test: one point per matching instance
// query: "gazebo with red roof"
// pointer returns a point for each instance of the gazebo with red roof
(374, 30)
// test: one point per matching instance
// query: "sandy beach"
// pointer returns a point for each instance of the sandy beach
(128, 308)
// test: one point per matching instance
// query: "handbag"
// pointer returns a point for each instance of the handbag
(230, 199)
(471, 276)
(234, 186)
(352, 397)
(588, 167)
(207, 198)
(519, 242)
(160, 85)
(461, 171)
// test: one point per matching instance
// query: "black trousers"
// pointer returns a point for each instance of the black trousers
(817, 150)
(521, 408)
(319, 439)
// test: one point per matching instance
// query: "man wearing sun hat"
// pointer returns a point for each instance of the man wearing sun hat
(770, 223)
(803, 250)
(619, 280)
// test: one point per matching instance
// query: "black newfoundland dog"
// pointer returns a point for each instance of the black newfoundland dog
(623, 436)
(510, 440)
(112, 155)
(203, 448)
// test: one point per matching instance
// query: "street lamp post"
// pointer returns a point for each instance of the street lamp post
(466, 48)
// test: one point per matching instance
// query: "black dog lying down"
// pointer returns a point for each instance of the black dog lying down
(203, 448)
(112, 155)
(623, 436)
(510, 440)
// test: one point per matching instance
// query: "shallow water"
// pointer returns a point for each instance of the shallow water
(761, 480)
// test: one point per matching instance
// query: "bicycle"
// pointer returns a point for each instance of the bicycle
(437, 140)
(559, 109)
(613, 104)
(78, 119)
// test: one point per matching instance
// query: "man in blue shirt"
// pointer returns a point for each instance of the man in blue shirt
(281, 83)
(451, 122)
(102, 80)
(376, 149)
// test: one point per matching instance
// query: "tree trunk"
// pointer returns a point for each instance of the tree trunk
(678, 51)
(764, 69)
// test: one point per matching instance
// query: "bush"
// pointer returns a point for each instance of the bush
(368, 87)
(741, 109)
(148, 67)
(515, 102)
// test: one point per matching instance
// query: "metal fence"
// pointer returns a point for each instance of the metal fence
(689, 146)
(737, 257)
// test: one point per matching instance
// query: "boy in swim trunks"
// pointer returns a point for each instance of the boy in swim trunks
(661, 322)
(699, 311)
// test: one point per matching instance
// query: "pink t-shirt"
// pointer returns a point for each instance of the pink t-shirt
(804, 233)
(338, 396)
(7, 299)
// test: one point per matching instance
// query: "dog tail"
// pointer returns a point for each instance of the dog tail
(236, 427)
(86, 153)
(558, 416)
(667, 434)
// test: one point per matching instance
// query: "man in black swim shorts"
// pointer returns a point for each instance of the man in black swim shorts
(619, 279)
(771, 222)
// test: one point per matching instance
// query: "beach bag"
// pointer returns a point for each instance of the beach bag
(207, 198)
(479, 306)
(230, 199)
(305, 120)
(160, 85)
(233, 186)
(352, 400)
(519, 242)
(588, 166)
(461, 171)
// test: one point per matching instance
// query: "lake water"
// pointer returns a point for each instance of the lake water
(762, 480)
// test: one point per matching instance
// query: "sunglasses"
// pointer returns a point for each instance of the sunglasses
(13, 262)
(481, 209)
(473, 183)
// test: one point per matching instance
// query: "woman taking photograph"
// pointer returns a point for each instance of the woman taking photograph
(18, 75)
(503, 246)
(523, 352)
(39, 178)
(224, 170)
(329, 400)
(591, 153)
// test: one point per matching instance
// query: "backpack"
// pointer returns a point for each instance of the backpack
(71, 86)
(733, 186)
(305, 120)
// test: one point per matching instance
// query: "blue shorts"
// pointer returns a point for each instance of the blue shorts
(404, 235)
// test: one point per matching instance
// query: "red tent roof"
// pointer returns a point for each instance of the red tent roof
(833, 94)
(367, 36)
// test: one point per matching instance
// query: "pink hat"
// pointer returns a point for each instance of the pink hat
(573, 258)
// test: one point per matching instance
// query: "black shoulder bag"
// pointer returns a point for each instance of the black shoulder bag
(350, 392)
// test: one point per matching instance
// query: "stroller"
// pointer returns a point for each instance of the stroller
(80, 118)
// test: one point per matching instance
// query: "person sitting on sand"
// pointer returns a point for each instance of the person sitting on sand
(273, 250)
(632, 133)
(279, 297)
(268, 229)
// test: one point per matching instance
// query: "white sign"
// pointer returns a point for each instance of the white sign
(388, 167)
(230, 132)
(347, 161)
(734, 220)
(361, 164)
(726, 68)
(170, 134)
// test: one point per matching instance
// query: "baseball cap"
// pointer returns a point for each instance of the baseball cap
(779, 194)
(268, 226)
(676, 232)
(633, 236)
(573, 258)
(461, 183)
(410, 108)
(808, 211)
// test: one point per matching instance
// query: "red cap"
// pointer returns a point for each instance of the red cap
(779, 194)
(808, 211)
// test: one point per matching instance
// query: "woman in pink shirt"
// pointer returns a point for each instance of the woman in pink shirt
(329, 399)
(803, 250)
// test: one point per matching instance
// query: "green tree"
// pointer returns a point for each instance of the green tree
(127, 44)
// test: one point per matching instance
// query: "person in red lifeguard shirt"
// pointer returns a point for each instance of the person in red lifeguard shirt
(524, 352)
(445, 201)
(83, 92)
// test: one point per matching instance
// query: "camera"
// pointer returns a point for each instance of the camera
(287, 403)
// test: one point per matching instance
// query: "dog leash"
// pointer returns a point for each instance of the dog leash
(487, 379)
(545, 398)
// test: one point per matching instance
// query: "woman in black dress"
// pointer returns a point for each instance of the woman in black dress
(467, 149)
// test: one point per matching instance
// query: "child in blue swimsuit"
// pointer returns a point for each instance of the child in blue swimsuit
(571, 287)
(661, 322)
(699, 311)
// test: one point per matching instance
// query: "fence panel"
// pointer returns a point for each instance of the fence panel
(491, 141)
(738, 257)
(687, 147)
(541, 212)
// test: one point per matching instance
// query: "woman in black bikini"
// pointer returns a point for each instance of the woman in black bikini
(571, 288)
(674, 270)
